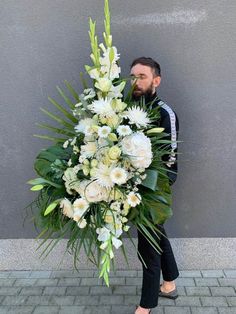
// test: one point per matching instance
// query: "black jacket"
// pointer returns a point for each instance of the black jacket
(170, 122)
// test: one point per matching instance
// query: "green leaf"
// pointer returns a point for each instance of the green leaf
(72, 91)
(51, 207)
(37, 187)
(56, 130)
(63, 110)
(151, 179)
(58, 119)
(51, 138)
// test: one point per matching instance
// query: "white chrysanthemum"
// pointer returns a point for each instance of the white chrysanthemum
(83, 124)
(89, 149)
(67, 208)
(133, 199)
(103, 176)
(124, 130)
(139, 149)
(104, 131)
(103, 234)
(102, 107)
(92, 192)
(118, 175)
(137, 116)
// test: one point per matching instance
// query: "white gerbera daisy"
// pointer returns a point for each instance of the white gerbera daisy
(133, 199)
(102, 107)
(102, 176)
(80, 204)
(118, 175)
(138, 116)
(104, 131)
(89, 149)
(124, 130)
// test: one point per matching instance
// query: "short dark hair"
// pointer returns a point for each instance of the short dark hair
(155, 66)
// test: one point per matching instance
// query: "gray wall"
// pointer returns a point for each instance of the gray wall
(45, 42)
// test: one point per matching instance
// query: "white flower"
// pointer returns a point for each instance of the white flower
(138, 147)
(126, 228)
(92, 192)
(104, 131)
(103, 234)
(111, 71)
(103, 84)
(71, 180)
(89, 93)
(65, 144)
(102, 107)
(124, 130)
(103, 176)
(116, 242)
(106, 59)
(115, 206)
(83, 124)
(118, 175)
(133, 199)
(116, 229)
(80, 206)
(82, 223)
(89, 149)
(67, 208)
(116, 91)
(138, 116)
(94, 74)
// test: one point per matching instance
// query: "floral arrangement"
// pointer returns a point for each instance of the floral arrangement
(105, 170)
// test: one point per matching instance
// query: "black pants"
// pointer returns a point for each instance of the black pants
(155, 263)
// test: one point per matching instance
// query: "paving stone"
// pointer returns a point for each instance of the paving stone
(214, 301)
(229, 273)
(7, 282)
(24, 282)
(69, 282)
(227, 310)
(100, 290)
(54, 291)
(223, 291)
(213, 273)
(91, 282)
(71, 273)
(31, 291)
(111, 299)
(227, 282)
(20, 273)
(9, 290)
(131, 299)
(85, 310)
(201, 282)
(4, 274)
(86, 299)
(176, 310)
(38, 300)
(21, 309)
(41, 274)
(198, 291)
(231, 301)
(124, 309)
(187, 301)
(190, 273)
(15, 300)
(124, 273)
(158, 310)
(133, 281)
(165, 302)
(186, 282)
(204, 310)
(181, 290)
(46, 282)
(46, 309)
(77, 291)
(124, 290)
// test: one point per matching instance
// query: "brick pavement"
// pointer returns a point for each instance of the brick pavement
(68, 292)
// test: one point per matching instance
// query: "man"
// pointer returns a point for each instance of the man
(146, 77)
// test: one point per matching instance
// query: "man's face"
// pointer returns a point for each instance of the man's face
(144, 80)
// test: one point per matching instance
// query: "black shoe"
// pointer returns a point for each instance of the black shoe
(169, 295)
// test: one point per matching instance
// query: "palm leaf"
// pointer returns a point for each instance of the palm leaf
(51, 138)
(58, 119)
(72, 91)
(63, 110)
(67, 99)
(56, 130)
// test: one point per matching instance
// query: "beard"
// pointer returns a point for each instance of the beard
(138, 93)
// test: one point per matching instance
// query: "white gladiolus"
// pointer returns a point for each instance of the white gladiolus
(94, 74)
(67, 208)
(118, 175)
(116, 242)
(138, 147)
(103, 84)
(103, 234)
